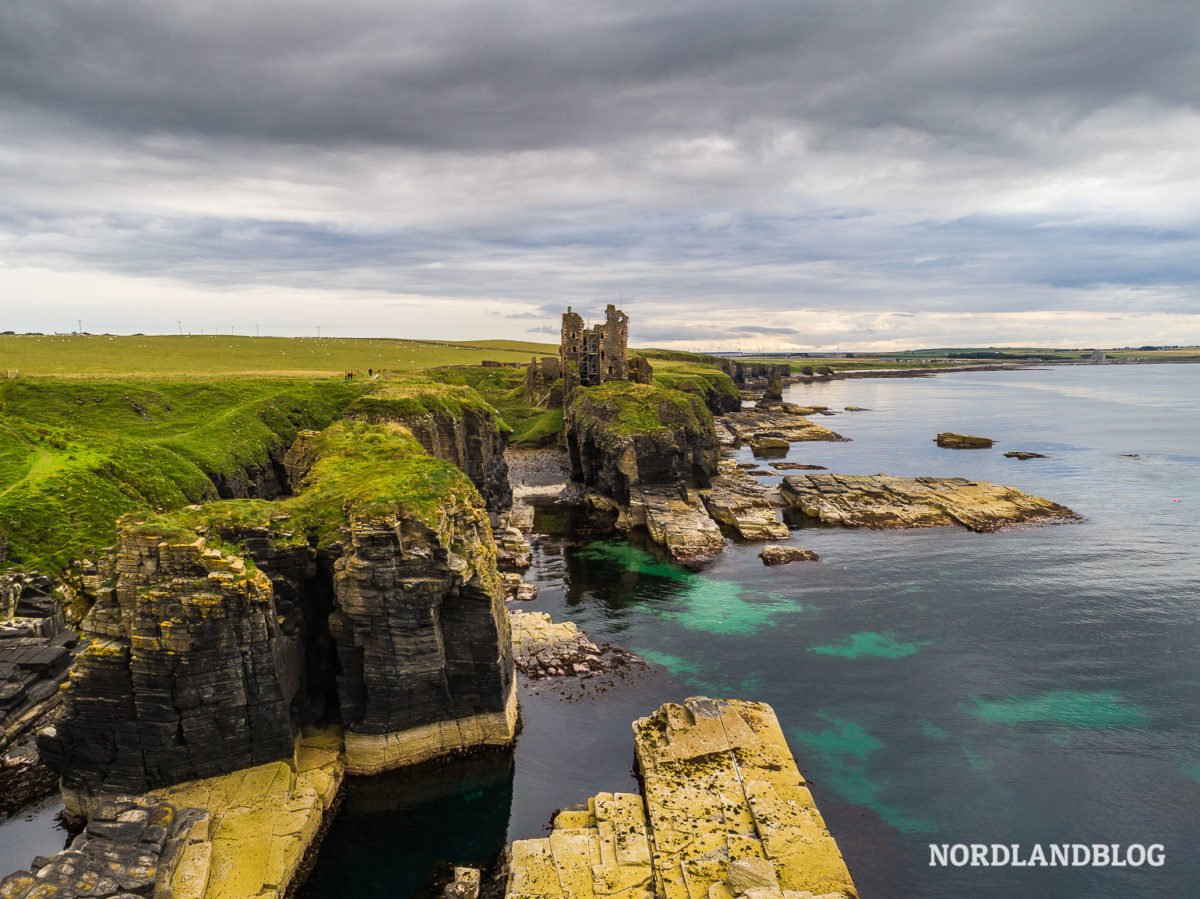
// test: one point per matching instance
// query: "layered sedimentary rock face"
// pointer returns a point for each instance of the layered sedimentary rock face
(623, 435)
(371, 598)
(186, 675)
(454, 423)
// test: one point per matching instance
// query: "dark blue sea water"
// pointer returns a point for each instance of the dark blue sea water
(1038, 685)
(1041, 684)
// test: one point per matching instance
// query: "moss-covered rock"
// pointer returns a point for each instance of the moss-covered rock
(622, 435)
(453, 422)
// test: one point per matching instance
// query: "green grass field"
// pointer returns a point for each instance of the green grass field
(174, 356)
(76, 454)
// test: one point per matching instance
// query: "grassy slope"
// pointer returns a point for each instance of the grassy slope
(693, 377)
(417, 395)
(504, 388)
(89, 355)
(76, 454)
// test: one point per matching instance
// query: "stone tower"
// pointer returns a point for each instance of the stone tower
(572, 337)
(614, 345)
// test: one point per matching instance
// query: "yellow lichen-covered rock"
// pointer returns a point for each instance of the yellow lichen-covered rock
(263, 821)
(725, 814)
(785, 423)
(724, 796)
(374, 753)
(884, 501)
(598, 852)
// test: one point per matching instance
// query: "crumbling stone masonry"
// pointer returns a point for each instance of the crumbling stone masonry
(599, 353)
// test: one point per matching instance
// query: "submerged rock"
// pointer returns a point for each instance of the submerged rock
(1023, 455)
(724, 813)
(796, 466)
(950, 440)
(884, 501)
(782, 555)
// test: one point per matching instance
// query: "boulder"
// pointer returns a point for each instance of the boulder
(950, 440)
(545, 648)
(782, 555)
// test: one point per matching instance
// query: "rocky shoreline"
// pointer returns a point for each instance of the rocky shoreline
(241, 658)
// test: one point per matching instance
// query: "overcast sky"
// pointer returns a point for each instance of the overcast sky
(785, 175)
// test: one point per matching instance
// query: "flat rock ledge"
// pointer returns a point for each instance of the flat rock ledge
(676, 519)
(544, 648)
(724, 813)
(787, 423)
(884, 501)
(243, 835)
(783, 555)
(131, 845)
(374, 753)
(738, 501)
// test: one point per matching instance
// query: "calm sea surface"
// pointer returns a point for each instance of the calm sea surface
(1038, 685)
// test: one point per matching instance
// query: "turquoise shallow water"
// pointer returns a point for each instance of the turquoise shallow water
(1035, 685)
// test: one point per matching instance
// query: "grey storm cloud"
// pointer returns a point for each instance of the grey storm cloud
(856, 171)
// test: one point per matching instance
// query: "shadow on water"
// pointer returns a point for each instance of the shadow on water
(395, 831)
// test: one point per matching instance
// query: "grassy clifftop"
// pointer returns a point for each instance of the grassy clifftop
(626, 409)
(361, 470)
(419, 396)
(504, 388)
(711, 384)
(76, 454)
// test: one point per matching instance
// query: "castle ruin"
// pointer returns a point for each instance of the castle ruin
(601, 352)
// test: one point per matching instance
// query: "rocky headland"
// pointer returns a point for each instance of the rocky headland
(644, 452)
